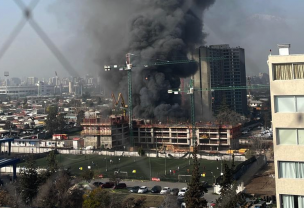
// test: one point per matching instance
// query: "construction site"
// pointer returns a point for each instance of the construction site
(179, 117)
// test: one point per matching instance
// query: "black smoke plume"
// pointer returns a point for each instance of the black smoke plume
(153, 31)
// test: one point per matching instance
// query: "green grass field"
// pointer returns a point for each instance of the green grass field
(100, 163)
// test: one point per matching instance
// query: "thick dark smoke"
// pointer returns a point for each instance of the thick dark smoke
(153, 31)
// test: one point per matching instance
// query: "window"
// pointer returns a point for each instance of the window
(289, 104)
(291, 170)
(288, 71)
(284, 104)
(287, 136)
(292, 201)
(290, 136)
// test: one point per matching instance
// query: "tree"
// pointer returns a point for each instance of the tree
(141, 152)
(29, 181)
(80, 117)
(5, 199)
(26, 126)
(57, 192)
(196, 189)
(61, 121)
(228, 116)
(228, 196)
(170, 202)
(134, 203)
(52, 162)
(86, 96)
(99, 101)
(257, 144)
(99, 198)
(24, 101)
(9, 125)
(51, 168)
(87, 175)
(51, 123)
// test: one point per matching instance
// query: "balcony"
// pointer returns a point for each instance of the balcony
(96, 132)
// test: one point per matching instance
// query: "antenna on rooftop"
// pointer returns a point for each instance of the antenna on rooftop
(6, 74)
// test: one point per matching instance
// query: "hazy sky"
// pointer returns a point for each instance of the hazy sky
(256, 25)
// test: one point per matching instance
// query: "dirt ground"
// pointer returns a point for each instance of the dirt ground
(263, 183)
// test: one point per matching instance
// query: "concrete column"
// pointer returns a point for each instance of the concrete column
(14, 172)
(9, 148)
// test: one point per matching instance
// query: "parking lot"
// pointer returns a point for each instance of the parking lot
(210, 197)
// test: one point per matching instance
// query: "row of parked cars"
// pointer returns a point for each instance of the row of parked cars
(143, 189)
(158, 189)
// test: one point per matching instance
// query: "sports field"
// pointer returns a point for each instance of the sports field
(144, 166)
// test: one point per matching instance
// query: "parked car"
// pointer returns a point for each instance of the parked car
(174, 191)
(97, 183)
(143, 189)
(165, 190)
(120, 186)
(182, 191)
(156, 189)
(134, 189)
(108, 185)
(180, 199)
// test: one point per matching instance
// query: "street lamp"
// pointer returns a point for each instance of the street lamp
(165, 160)
(212, 177)
(106, 164)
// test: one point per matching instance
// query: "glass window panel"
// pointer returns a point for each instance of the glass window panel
(288, 201)
(287, 136)
(301, 136)
(285, 104)
(283, 72)
(301, 201)
(300, 170)
(298, 71)
(287, 169)
(300, 103)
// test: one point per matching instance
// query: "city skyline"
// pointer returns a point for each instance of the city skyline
(32, 56)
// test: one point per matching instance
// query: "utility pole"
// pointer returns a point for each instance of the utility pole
(150, 167)
(192, 103)
(130, 103)
(128, 68)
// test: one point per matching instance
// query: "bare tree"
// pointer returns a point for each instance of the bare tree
(257, 144)
(170, 202)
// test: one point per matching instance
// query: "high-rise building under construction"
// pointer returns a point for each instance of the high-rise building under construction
(220, 66)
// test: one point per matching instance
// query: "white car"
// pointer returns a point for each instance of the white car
(165, 190)
(182, 191)
(143, 189)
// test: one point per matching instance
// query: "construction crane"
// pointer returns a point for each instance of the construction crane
(122, 103)
(129, 66)
(191, 91)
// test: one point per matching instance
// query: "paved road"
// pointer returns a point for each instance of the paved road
(210, 197)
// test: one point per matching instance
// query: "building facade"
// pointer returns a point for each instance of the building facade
(221, 67)
(17, 91)
(105, 133)
(287, 95)
(32, 81)
(178, 137)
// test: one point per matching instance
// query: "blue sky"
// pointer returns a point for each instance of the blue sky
(242, 23)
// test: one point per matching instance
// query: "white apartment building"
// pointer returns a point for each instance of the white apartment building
(287, 94)
(17, 91)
